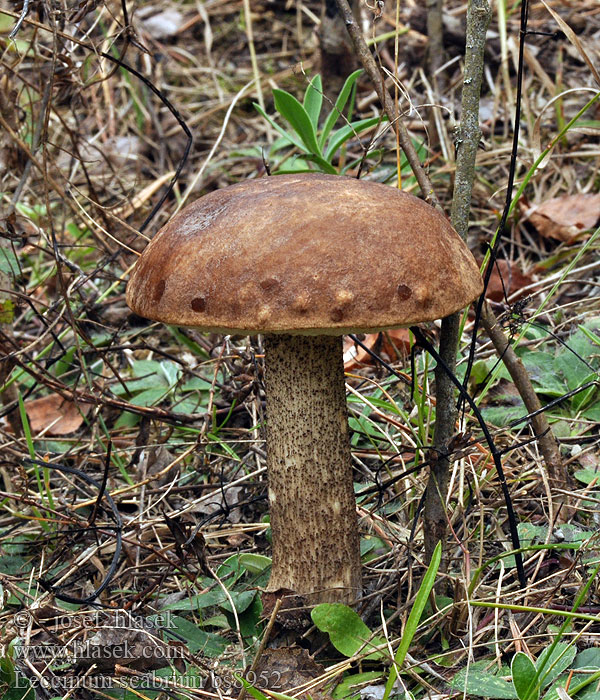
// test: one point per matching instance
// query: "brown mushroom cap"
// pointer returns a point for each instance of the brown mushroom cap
(308, 253)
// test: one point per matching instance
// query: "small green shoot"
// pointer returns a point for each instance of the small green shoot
(414, 618)
(257, 694)
(319, 150)
(528, 678)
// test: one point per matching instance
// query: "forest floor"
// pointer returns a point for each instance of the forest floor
(132, 462)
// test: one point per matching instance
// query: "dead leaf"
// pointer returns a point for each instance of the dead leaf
(55, 415)
(293, 612)
(389, 345)
(225, 502)
(565, 218)
(155, 462)
(126, 640)
(285, 669)
(574, 39)
(507, 278)
(185, 544)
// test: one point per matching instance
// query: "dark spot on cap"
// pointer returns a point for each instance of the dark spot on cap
(404, 292)
(159, 291)
(269, 284)
(199, 304)
(336, 315)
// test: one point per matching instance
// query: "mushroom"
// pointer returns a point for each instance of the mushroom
(305, 259)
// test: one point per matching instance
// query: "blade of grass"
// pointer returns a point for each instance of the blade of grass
(413, 619)
(42, 484)
(340, 103)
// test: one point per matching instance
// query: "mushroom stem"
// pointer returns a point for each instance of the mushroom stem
(316, 549)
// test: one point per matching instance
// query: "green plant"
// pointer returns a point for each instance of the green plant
(153, 381)
(572, 368)
(527, 678)
(350, 635)
(13, 686)
(318, 147)
(240, 576)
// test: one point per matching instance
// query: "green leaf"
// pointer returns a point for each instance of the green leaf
(530, 533)
(9, 263)
(296, 166)
(360, 425)
(183, 339)
(289, 136)
(501, 415)
(7, 670)
(23, 692)
(242, 601)
(197, 384)
(143, 368)
(13, 564)
(524, 677)
(349, 131)
(578, 686)
(590, 335)
(126, 420)
(592, 413)
(65, 363)
(370, 543)
(255, 692)
(346, 689)
(200, 601)
(574, 371)
(237, 565)
(280, 143)
(323, 164)
(553, 661)
(337, 110)
(230, 567)
(540, 367)
(588, 658)
(479, 372)
(7, 311)
(170, 371)
(414, 618)
(191, 679)
(583, 398)
(572, 533)
(147, 375)
(261, 696)
(374, 154)
(294, 113)
(482, 683)
(197, 639)
(347, 632)
(189, 404)
(249, 619)
(255, 563)
(149, 397)
(313, 99)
